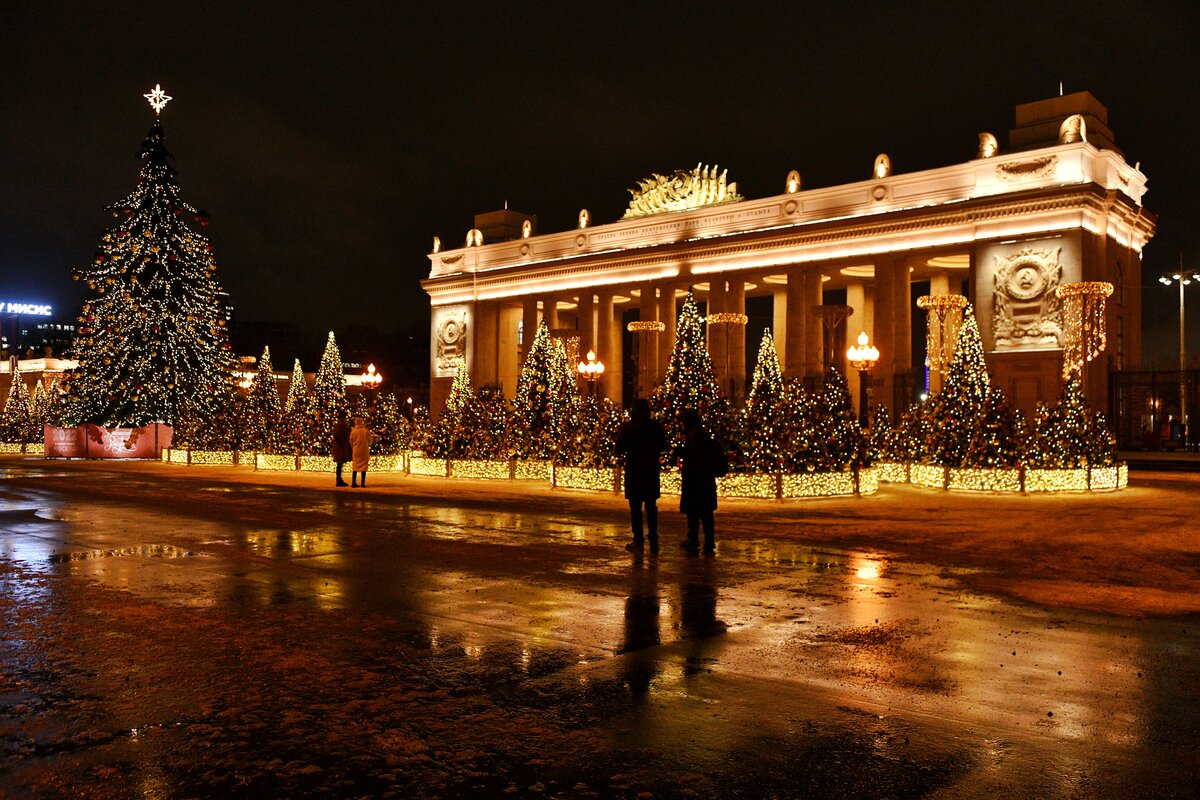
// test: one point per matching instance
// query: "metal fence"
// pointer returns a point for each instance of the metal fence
(1146, 409)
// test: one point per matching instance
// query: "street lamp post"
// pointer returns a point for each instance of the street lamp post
(590, 371)
(1183, 279)
(371, 380)
(862, 357)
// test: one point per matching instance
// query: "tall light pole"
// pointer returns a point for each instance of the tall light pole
(862, 357)
(1183, 279)
(590, 371)
(370, 381)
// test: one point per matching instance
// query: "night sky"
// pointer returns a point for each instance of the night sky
(330, 143)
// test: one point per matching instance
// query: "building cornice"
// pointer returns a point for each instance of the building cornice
(1088, 207)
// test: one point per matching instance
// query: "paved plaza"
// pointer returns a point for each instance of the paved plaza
(173, 632)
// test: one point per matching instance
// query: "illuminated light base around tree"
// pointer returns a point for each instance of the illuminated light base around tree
(646, 326)
(1078, 479)
(727, 318)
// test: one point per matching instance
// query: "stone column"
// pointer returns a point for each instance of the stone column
(735, 300)
(586, 323)
(529, 324)
(893, 331)
(716, 333)
(647, 343)
(550, 311)
(779, 325)
(814, 361)
(795, 348)
(484, 361)
(666, 339)
(608, 347)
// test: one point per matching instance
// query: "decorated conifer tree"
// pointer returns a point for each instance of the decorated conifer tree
(291, 434)
(958, 407)
(590, 433)
(328, 398)
(42, 405)
(839, 440)
(544, 391)
(390, 428)
(765, 421)
(999, 435)
(1068, 434)
(151, 335)
(880, 438)
(16, 418)
(262, 410)
(690, 381)
(453, 431)
(485, 422)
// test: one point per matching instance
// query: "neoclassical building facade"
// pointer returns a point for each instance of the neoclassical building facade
(1059, 205)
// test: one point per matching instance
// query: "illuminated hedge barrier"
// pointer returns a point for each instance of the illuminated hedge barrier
(29, 448)
(762, 485)
(1082, 479)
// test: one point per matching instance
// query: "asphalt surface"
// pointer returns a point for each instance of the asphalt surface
(173, 632)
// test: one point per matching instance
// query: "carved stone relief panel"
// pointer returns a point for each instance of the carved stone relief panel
(1025, 310)
(450, 339)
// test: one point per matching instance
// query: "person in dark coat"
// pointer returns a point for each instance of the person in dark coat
(703, 462)
(340, 451)
(641, 440)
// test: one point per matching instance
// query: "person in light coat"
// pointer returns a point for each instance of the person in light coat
(360, 450)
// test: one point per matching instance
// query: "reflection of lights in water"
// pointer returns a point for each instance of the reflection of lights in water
(867, 568)
(526, 659)
(473, 651)
(869, 573)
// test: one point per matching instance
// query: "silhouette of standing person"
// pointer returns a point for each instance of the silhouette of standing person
(340, 450)
(360, 451)
(703, 462)
(641, 441)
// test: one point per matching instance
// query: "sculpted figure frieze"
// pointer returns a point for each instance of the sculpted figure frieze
(1026, 312)
(681, 191)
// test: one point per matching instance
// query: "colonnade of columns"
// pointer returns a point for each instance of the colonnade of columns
(880, 307)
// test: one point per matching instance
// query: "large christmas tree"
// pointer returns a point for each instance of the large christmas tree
(151, 336)
(690, 381)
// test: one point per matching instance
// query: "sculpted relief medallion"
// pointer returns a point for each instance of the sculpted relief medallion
(1026, 313)
(451, 342)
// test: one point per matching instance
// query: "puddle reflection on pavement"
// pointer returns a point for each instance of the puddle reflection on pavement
(385, 646)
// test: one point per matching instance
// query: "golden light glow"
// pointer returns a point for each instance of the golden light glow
(682, 191)
(531, 470)
(944, 316)
(619, 299)
(272, 461)
(701, 287)
(646, 326)
(597, 480)
(592, 368)
(434, 467)
(480, 470)
(727, 318)
(775, 279)
(863, 355)
(957, 261)
(1085, 327)
(371, 379)
(860, 271)
(565, 305)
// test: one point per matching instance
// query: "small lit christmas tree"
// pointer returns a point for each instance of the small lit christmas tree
(484, 422)
(590, 433)
(999, 435)
(16, 418)
(956, 410)
(690, 381)
(328, 398)
(389, 426)
(42, 406)
(839, 440)
(765, 421)
(454, 429)
(1069, 434)
(292, 434)
(151, 337)
(880, 439)
(262, 409)
(544, 392)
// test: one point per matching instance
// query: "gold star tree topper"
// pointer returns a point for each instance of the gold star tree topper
(158, 99)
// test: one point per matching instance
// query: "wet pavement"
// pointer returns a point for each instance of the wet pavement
(179, 634)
